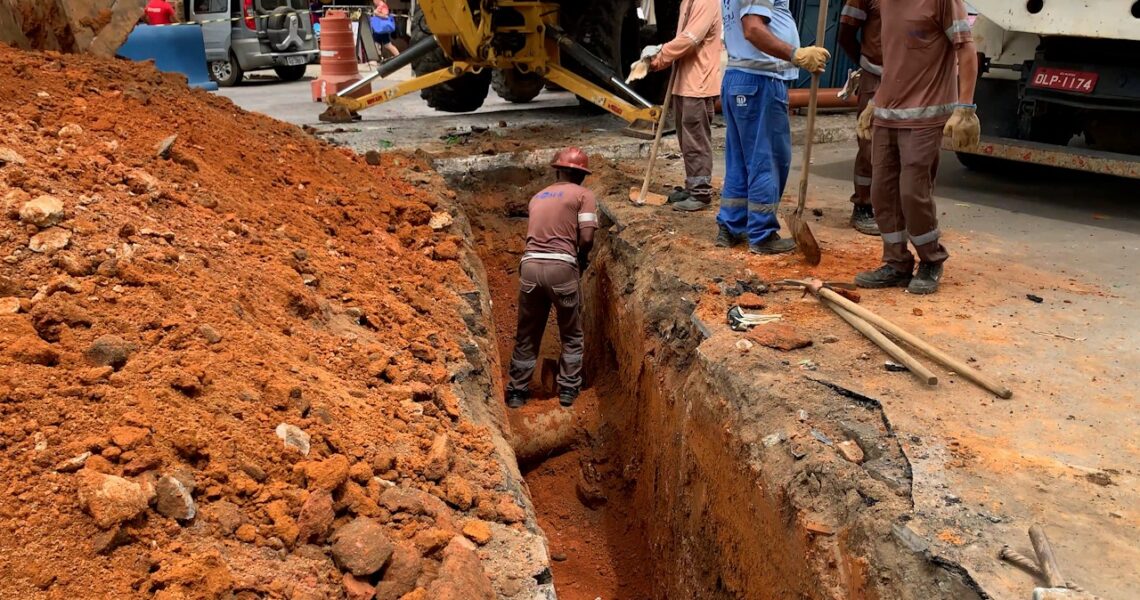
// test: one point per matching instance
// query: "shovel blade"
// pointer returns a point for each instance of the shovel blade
(651, 198)
(805, 239)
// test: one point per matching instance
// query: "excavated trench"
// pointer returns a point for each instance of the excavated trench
(683, 478)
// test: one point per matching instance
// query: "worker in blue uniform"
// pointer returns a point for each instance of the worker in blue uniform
(763, 59)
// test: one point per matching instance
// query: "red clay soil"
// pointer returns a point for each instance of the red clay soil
(251, 278)
(598, 551)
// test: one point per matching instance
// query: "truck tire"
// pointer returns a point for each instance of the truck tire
(982, 164)
(463, 94)
(290, 73)
(514, 86)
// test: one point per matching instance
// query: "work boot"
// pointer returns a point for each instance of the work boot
(884, 277)
(863, 219)
(517, 398)
(678, 195)
(724, 237)
(926, 280)
(774, 244)
(691, 204)
(567, 396)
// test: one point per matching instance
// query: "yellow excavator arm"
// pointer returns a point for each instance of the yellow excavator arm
(470, 41)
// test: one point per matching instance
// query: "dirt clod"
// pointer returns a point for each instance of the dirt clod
(361, 547)
(110, 500)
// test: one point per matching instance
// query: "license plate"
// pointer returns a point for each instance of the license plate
(1081, 82)
(293, 61)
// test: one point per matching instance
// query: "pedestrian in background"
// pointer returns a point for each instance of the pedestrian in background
(159, 12)
(860, 36)
(930, 68)
(763, 56)
(383, 27)
(694, 55)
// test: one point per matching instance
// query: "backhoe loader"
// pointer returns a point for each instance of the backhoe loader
(460, 47)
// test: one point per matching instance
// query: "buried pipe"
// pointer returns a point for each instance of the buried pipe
(541, 435)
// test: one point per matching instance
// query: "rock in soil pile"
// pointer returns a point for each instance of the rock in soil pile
(225, 361)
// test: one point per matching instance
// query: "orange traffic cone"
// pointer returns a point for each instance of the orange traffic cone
(338, 57)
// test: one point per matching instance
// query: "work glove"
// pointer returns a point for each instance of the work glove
(811, 58)
(851, 88)
(643, 66)
(963, 128)
(866, 119)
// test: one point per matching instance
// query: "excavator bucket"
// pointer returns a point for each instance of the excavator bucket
(77, 26)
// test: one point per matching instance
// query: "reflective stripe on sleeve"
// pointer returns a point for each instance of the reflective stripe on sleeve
(894, 237)
(909, 114)
(587, 217)
(854, 13)
(692, 38)
(957, 27)
(926, 238)
(757, 4)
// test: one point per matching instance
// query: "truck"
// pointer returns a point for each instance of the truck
(1059, 84)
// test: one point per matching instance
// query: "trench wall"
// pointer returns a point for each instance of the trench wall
(740, 501)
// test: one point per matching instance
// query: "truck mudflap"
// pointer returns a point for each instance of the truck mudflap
(1065, 157)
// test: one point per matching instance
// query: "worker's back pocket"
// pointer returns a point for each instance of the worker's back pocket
(566, 294)
(527, 287)
(741, 97)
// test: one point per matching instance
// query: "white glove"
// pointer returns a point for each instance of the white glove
(638, 70)
(851, 88)
(648, 52)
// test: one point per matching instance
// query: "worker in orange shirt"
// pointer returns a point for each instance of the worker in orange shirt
(159, 12)
(695, 55)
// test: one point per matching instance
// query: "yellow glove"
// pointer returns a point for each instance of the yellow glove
(963, 128)
(866, 119)
(811, 58)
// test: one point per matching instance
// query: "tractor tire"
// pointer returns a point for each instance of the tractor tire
(460, 95)
(514, 86)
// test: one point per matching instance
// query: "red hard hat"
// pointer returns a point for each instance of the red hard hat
(572, 158)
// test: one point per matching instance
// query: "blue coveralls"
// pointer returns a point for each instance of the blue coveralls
(758, 146)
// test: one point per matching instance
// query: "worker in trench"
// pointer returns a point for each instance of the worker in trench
(930, 68)
(763, 59)
(694, 55)
(860, 36)
(560, 233)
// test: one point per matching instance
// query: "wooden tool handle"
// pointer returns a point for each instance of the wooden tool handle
(657, 137)
(813, 104)
(903, 335)
(918, 369)
(1045, 558)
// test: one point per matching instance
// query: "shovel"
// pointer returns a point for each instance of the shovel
(805, 239)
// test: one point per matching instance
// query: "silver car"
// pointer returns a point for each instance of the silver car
(255, 35)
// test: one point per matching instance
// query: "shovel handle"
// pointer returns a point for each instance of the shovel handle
(813, 104)
(657, 138)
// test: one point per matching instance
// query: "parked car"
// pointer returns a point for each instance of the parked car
(255, 35)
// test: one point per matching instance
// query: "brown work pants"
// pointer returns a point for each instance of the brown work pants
(868, 84)
(543, 283)
(902, 194)
(694, 132)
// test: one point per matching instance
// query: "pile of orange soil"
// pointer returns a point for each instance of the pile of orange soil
(225, 361)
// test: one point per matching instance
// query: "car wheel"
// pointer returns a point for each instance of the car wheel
(290, 73)
(227, 73)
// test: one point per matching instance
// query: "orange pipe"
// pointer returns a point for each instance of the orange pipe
(828, 98)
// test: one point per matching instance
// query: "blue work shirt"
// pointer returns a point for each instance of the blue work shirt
(742, 55)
